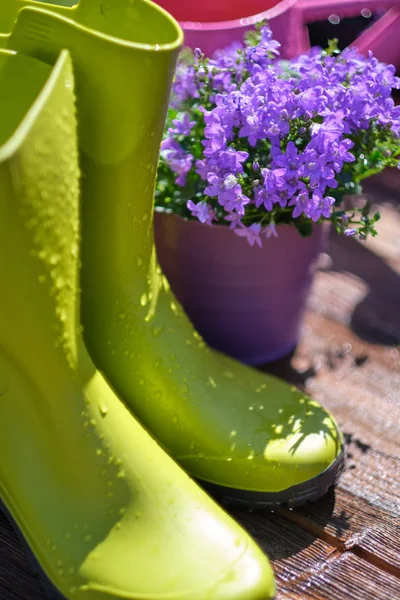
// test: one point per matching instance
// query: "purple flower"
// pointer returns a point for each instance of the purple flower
(231, 160)
(178, 161)
(185, 86)
(183, 125)
(319, 206)
(234, 219)
(350, 232)
(252, 129)
(259, 55)
(203, 167)
(252, 234)
(310, 100)
(339, 153)
(301, 204)
(221, 185)
(273, 179)
(228, 191)
(263, 198)
(288, 159)
(316, 169)
(270, 230)
(273, 184)
(213, 127)
(202, 211)
(325, 134)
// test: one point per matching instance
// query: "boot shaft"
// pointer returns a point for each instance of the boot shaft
(39, 204)
(123, 88)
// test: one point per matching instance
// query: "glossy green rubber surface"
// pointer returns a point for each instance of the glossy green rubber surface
(9, 12)
(107, 514)
(224, 422)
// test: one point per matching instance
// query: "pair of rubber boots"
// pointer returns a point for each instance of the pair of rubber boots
(105, 511)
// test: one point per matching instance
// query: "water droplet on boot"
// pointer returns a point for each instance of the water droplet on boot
(54, 259)
(59, 282)
(103, 410)
(63, 315)
(157, 330)
(212, 382)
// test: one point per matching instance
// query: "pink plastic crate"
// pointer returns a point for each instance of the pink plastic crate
(212, 24)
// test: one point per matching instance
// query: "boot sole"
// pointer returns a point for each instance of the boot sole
(297, 495)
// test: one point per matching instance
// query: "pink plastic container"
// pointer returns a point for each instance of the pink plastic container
(245, 301)
(210, 24)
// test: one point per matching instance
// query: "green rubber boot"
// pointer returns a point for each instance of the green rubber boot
(105, 512)
(249, 437)
(9, 12)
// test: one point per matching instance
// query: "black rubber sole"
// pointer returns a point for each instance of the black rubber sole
(297, 495)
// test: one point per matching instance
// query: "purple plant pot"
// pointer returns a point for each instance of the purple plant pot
(245, 301)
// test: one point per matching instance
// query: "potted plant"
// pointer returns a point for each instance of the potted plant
(259, 156)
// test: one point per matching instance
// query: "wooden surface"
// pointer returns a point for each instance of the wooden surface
(346, 545)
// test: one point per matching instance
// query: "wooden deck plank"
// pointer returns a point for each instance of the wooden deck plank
(296, 554)
(362, 388)
(342, 577)
(308, 567)
(17, 580)
(348, 360)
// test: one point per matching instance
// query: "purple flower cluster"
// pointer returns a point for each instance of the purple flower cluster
(267, 141)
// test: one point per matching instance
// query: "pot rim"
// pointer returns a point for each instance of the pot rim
(216, 225)
(244, 22)
(195, 223)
